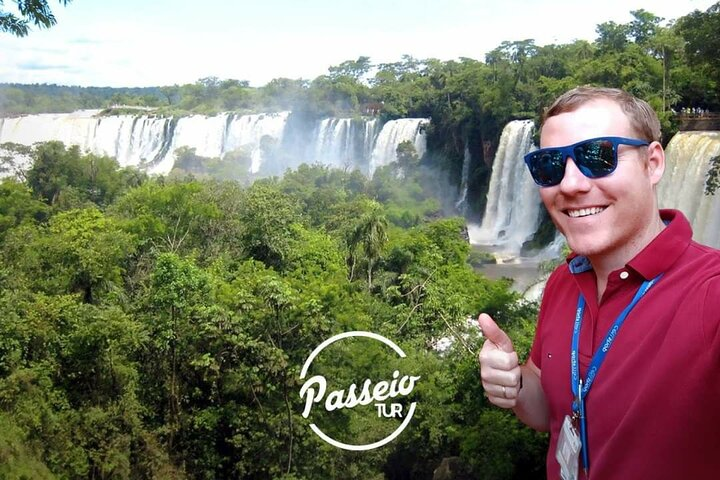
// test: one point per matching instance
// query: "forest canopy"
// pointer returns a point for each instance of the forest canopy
(155, 327)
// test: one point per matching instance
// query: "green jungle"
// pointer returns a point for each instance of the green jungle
(155, 327)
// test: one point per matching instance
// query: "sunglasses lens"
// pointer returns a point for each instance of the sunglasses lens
(547, 167)
(596, 158)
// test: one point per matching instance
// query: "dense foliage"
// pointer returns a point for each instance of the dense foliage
(155, 328)
(35, 12)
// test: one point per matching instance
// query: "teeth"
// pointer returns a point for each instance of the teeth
(584, 212)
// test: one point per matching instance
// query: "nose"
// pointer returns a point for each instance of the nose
(574, 181)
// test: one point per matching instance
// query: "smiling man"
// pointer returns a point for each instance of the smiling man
(623, 371)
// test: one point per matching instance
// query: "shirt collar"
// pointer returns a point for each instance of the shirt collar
(658, 255)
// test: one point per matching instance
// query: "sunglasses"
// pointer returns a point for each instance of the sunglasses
(595, 158)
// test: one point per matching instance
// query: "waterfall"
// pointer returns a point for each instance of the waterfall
(344, 142)
(513, 202)
(261, 133)
(215, 136)
(147, 141)
(75, 128)
(132, 140)
(461, 204)
(371, 128)
(393, 133)
(687, 160)
(333, 145)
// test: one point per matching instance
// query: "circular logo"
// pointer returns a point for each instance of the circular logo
(315, 388)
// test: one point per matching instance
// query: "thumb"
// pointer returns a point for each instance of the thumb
(495, 334)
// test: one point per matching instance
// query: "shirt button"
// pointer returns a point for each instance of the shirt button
(624, 275)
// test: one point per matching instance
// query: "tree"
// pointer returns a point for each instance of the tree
(179, 292)
(667, 44)
(18, 206)
(267, 218)
(712, 178)
(353, 69)
(167, 217)
(37, 12)
(699, 29)
(407, 157)
(59, 173)
(612, 36)
(370, 234)
(78, 251)
(644, 27)
(170, 94)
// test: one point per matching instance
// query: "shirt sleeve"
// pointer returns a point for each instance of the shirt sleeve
(710, 296)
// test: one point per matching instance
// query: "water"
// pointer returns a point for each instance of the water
(687, 161)
(513, 203)
(149, 142)
(528, 278)
(461, 203)
(392, 134)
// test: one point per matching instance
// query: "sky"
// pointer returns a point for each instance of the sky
(140, 43)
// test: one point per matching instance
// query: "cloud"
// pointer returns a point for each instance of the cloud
(165, 43)
(42, 66)
(85, 41)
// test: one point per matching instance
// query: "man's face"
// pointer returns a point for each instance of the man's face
(609, 215)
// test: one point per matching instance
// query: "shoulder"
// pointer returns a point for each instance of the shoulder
(558, 277)
(558, 285)
(708, 297)
(701, 292)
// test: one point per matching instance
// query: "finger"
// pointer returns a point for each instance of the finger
(492, 358)
(502, 402)
(499, 378)
(495, 334)
(496, 396)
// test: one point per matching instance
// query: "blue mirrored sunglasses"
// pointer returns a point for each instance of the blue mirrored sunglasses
(595, 158)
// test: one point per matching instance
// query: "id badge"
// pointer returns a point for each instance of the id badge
(568, 450)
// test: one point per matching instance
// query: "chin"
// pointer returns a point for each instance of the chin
(585, 247)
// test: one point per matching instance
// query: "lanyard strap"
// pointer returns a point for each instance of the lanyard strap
(579, 388)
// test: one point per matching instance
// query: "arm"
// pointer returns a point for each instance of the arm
(531, 406)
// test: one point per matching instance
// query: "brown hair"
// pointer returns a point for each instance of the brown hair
(641, 115)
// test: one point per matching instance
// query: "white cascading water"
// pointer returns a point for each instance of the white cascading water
(148, 141)
(687, 161)
(513, 202)
(345, 142)
(334, 142)
(461, 204)
(392, 134)
(252, 131)
(132, 140)
(371, 131)
(75, 128)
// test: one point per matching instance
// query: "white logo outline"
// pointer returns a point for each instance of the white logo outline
(323, 435)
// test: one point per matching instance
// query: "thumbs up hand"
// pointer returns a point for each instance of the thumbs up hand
(499, 365)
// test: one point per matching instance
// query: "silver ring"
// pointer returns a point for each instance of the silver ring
(504, 392)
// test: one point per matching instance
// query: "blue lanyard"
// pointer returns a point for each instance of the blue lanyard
(580, 389)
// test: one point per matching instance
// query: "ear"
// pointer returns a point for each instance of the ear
(655, 162)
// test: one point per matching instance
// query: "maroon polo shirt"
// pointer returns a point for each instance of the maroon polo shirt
(653, 411)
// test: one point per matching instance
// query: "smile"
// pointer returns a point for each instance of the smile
(584, 212)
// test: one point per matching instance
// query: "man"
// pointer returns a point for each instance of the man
(624, 371)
